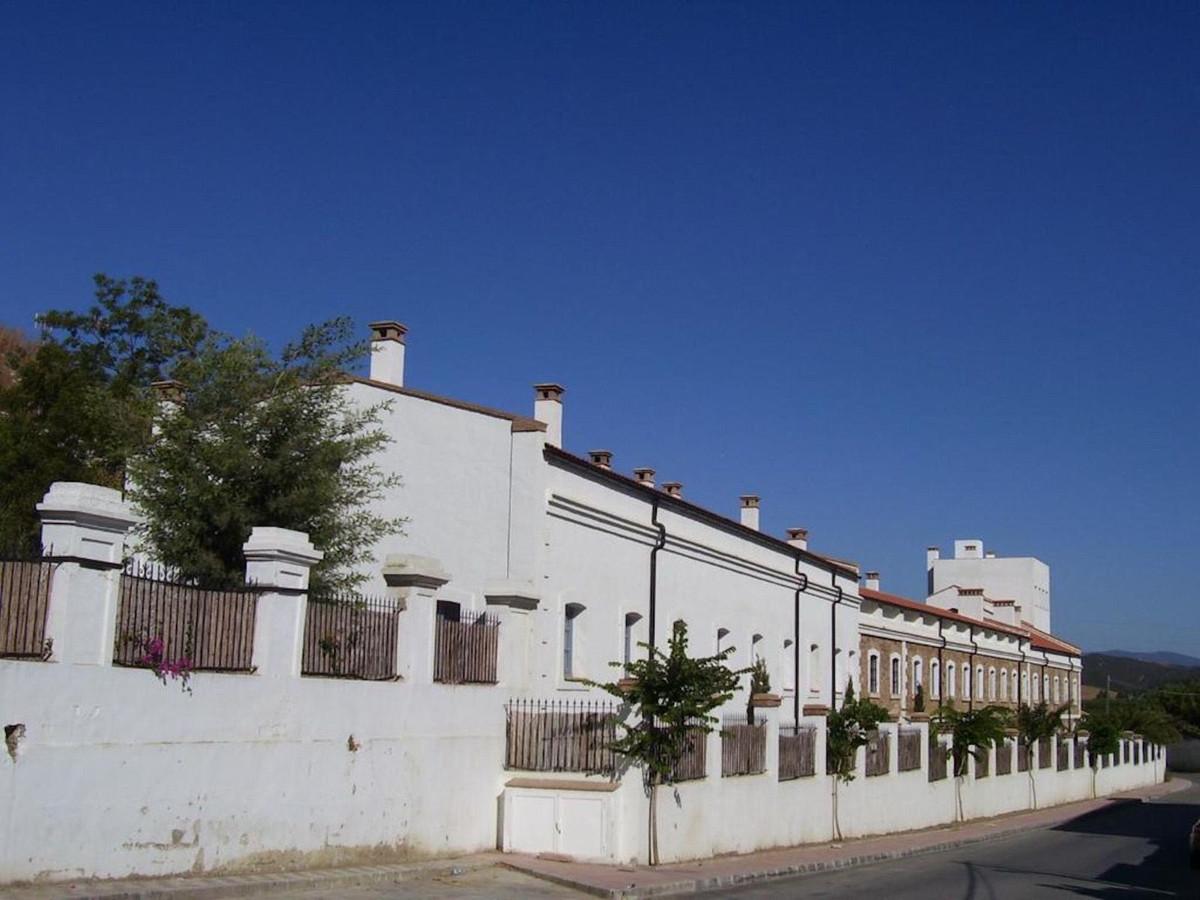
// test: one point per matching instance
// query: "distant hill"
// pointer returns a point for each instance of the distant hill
(1164, 657)
(1130, 672)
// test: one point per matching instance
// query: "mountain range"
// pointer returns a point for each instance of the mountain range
(1127, 671)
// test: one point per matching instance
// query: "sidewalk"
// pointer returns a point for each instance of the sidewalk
(727, 871)
(591, 878)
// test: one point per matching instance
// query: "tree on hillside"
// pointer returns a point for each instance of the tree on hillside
(79, 402)
(14, 348)
(246, 440)
(671, 697)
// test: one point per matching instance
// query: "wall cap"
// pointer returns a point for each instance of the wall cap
(411, 570)
(267, 544)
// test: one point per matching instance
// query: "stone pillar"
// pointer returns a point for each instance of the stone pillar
(84, 525)
(278, 561)
(512, 602)
(414, 581)
(768, 714)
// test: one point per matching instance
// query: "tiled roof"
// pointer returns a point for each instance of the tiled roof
(927, 609)
(1042, 641)
(846, 568)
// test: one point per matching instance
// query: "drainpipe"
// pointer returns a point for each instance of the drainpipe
(800, 587)
(833, 648)
(941, 682)
(971, 673)
(659, 543)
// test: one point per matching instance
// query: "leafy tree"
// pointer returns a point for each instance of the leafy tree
(1035, 723)
(253, 441)
(78, 403)
(760, 683)
(672, 696)
(846, 730)
(973, 733)
(1104, 737)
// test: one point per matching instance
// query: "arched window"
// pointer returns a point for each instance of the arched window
(916, 676)
(756, 648)
(1046, 688)
(979, 688)
(992, 683)
(571, 614)
(951, 681)
(896, 687)
(814, 668)
(722, 639)
(631, 620)
(1024, 697)
(966, 681)
(1004, 684)
(935, 678)
(789, 666)
(873, 673)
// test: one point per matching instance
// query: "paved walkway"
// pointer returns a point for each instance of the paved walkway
(595, 879)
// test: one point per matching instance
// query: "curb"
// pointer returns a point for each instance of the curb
(716, 882)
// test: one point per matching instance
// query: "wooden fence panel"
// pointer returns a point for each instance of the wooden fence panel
(1044, 753)
(878, 754)
(743, 748)
(909, 750)
(1004, 758)
(797, 752)
(560, 736)
(938, 765)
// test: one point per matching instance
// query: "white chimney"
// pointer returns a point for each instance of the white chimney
(644, 476)
(601, 458)
(932, 554)
(750, 511)
(547, 408)
(673, 488)
(798, 537)
(387, 352)
(971, 548)
(872, 583)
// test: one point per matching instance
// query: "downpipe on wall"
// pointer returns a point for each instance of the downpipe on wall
(801, 587)
(659, 543)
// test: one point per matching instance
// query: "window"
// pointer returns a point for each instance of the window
(1024, 696)
(992, 684)
(1046, 688)
(571, 614)
(916, 679)
(966, 679)
(814, 668)
(935, 679)
(895, 685)
(756, 646)
(951, 687)
(722, 642)
(789, 666)
(873, 673)
(979, 688)
(1004, 684)
(631, 620)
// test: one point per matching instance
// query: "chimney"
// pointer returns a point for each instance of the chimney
(872, 583)
(601, 458)
(644, 476)
(169, 391)
(750, 511)
(673, 488)
(798, 537)
(931, 554)
(387, 352)
(547, 407)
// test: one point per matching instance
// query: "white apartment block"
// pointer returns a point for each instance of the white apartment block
(1017, 587)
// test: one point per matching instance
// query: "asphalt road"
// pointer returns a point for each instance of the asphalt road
(1128, 852)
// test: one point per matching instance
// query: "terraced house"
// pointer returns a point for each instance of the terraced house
(453, 712)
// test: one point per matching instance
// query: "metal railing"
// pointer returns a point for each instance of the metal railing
(466, 649)
(908, 750)
(161, 616)
(560, 736)
(743, 747)
(24, 600)
(797, 751)
(351, 636)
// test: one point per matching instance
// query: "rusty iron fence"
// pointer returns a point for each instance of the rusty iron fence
(983, 762)
(1004, 758)
(908, 750)
(743, 747)
(1022, 757)
(878, 754)
(938, 763)
(560, 736)
(351, 636)
(466, 648)
(24, 600)
(797, 751)
(1044, 753)
(162, 617)
(1063, 761)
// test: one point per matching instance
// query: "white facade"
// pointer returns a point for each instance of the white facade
(1022, 580)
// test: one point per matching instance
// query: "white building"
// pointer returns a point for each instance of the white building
(1018, 587)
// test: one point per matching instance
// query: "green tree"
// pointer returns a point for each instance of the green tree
(1034, 724)
(78, 403)
(846, 730)
(973, 733)
(1104, 737)
(671, 697)
(252, 440)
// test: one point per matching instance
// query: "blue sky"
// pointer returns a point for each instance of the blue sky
(910, 271)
